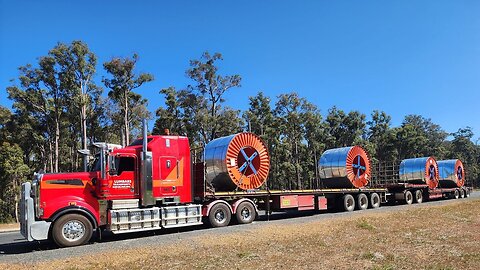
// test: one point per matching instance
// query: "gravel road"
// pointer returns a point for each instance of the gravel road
(14, 249)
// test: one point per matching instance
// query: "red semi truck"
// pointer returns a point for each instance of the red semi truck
(158, 182)
(153, 184)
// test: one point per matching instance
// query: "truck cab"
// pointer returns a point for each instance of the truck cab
(138, 187)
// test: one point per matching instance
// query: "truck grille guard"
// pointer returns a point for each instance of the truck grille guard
(29, 227)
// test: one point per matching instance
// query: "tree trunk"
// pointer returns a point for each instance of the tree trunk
(50, 155)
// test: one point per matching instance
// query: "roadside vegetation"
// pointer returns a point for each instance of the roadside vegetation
(424, 237)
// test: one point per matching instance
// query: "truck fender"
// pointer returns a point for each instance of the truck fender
(78, 210)
(206, 208)
(237, 202)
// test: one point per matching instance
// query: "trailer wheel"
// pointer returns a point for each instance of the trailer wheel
(71, 230)
(462, 193)
(362, 201)
(418, 196)
(408, 197)
(219, 215)
(467, 193)
(374, 200)
(456, 194)
(245, 213)
(348, 202)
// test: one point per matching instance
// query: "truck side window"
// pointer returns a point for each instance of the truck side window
(125, 164)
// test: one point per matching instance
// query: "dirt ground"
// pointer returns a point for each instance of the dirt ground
(433, 237)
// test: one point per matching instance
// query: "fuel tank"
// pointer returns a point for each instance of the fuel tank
(346, 167)
(239, 161)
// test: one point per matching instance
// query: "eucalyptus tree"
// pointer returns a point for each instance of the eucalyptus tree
(77, 67)
(13, 172)
(170, 116)
(37, 108)
(121, 84)
(382, 136)
(419, 136)
(344, 129)
(261, 120)
(301, 136)
(208, 91)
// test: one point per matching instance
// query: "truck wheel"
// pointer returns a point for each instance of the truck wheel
(418, 196)
(362, 201)
(219, 215)
(462, 193)
(72, 230)
(245, 213)
(467, 193)
(408, 197)
(374, 200)
(348, 202)
(456, 194)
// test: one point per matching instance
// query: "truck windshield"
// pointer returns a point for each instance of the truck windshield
(139, 141)
(95, 166)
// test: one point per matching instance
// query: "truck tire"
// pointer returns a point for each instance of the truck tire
(347, 203)
(467, 193)
(456, 194)
(374, 200)
(418, 196)
(362, 201)
(71, 230)
(219, 215)
(408, 197)
(245, 213)
(462, 193)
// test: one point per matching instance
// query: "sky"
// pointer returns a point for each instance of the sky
(402, 57)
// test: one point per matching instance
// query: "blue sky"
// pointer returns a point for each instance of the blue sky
(403, 57)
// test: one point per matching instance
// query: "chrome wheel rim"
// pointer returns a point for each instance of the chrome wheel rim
(245, 213)
(220, 216)
(73, 230)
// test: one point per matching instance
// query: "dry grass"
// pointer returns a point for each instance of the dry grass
(433, 237)
(9, 226)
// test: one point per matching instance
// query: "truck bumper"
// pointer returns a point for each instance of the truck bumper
(29, 228)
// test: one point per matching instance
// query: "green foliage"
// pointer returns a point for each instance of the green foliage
(130, 107)
(13, 172)
(205, 96)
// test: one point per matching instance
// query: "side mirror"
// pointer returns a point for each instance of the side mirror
(112, 170)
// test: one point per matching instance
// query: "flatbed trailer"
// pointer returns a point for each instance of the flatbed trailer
(226, 203)
(418, 193)
(385, 175)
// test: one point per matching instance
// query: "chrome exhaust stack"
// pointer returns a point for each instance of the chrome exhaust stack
(146, 171)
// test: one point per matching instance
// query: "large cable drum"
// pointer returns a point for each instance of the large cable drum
(346, 167)
(422, 170)
(452, 173)
(238, 161)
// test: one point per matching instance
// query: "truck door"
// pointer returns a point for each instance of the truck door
(122, 176)
(169, 175)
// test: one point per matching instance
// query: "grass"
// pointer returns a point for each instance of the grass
(9, 226)
(428, 237)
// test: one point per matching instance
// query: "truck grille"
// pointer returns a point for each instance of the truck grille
(23, 211)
